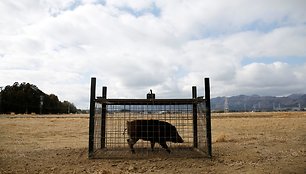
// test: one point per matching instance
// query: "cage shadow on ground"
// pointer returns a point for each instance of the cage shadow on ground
(144, 153)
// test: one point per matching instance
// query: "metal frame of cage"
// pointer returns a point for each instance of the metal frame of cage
(107, 136)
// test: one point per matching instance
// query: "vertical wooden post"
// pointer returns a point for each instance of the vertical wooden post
(208, 116)
(92, 117)
(103, 118)
(195, 119)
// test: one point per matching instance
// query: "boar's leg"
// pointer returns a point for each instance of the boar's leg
(164, 145)
(131, 143)
(152, 145)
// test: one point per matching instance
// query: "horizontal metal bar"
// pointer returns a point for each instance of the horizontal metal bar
(148, 101)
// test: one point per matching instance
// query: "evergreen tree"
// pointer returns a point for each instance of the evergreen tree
(27, 98)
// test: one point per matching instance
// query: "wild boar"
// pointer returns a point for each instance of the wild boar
(154, 131)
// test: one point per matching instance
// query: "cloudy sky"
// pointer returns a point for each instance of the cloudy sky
(131, 46)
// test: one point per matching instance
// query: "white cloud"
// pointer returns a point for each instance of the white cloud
(261, 75)
(194, 18)
(167, 46)
(270, 79)
(281, 42)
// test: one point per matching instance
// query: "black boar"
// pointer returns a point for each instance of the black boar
(154, 131)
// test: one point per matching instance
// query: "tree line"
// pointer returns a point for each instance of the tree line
(24, 98)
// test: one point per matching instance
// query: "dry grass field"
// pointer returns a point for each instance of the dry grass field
(242, 143)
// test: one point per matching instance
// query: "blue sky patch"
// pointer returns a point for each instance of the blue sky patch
(153, 10)
(269, 60)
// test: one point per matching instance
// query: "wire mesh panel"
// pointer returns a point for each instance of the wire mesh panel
(138, 128)
(116, 131)
(202, 129)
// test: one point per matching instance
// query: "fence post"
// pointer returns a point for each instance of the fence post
(195, 119)
(208, 116)
(103, 118)
(91, 117)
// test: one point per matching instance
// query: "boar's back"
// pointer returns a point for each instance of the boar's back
(151, 130)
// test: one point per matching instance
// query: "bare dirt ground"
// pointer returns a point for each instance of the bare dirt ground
(242, 143)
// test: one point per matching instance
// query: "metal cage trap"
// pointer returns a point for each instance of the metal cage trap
(110, 135)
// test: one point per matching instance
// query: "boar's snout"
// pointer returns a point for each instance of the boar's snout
(178, 139)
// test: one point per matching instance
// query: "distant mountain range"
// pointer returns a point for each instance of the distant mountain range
(246, 103)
